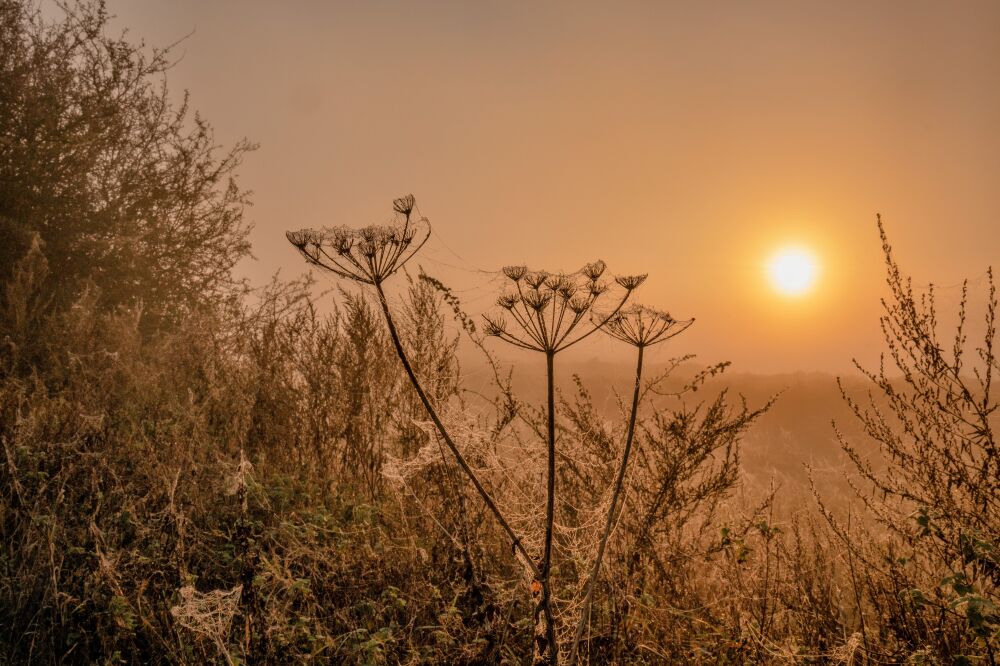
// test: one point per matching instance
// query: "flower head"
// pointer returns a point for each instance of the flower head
(368, 254)
(537, 300)
(579, 304)
(594, 270)
(630, 282)
(536, 279)
(550, 309)
(300, 238)
(642, 326)
(404, 205)
(495, 326)
(556, 282)
(515, 273)
(597, 288)
(508, 301)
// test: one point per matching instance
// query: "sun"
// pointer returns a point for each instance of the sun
(792, 271)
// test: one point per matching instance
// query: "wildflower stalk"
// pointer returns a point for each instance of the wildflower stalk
(552, 312)
(370, 255)
(640, 327)
(469, 472)
(588, 596)
(550, 507)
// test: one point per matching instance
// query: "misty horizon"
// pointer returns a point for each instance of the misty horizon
(686, 141)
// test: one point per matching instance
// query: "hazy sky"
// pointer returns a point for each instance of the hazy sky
(686, 139)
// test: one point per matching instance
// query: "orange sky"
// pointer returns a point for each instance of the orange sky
(686, 139)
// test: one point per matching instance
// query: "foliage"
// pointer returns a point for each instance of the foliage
(126, 191)
(937, 486)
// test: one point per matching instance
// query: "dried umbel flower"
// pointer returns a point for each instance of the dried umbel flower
(594, 270)
(641, 326)
(495, 326)
(536, 300)
(536, 279)
(556, 282)
(508, 301)
(630, 282)
(299, 238)
(515, 273)
(567, 291)
(579, 304)
(368, 254)
(549, 308)
(404, 205)
(551, 312)
(597, 288)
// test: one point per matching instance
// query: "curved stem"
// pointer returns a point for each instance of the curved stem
(447, 438)
(619, 484)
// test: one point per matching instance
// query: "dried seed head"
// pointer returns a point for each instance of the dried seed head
(543, 300)
(536, 279)
(630, 282)
(594, 269)
(597, 288)
(556, 282)
(369, 254)
(579, 304)
(642, 326)
(567, 291)
(508, 301)
(374, 239)
(300, 238)
(515, 273)
(404, 205)
(536, 300)
(495, 326)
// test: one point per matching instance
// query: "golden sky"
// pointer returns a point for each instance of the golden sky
(686, 139)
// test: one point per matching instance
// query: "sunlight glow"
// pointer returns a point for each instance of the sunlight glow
(792, 271)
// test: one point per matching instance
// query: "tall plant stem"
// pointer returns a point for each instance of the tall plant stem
(612, 510)
(394, 334)
(550, 508)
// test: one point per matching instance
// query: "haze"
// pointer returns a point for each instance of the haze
(689, 140)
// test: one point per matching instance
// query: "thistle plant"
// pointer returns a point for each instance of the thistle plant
(548, 313)
(640, 327)
(370, 255)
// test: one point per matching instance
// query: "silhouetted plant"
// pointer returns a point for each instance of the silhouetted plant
(940, 485)
(553, 311)
(640, 327)
(370, 255)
